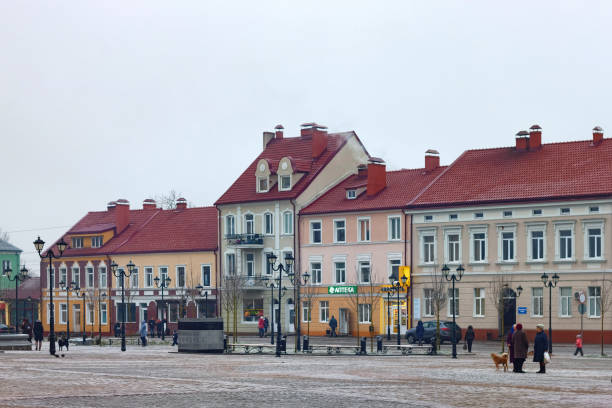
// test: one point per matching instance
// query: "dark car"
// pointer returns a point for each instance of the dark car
(5, 329)
(446, 332)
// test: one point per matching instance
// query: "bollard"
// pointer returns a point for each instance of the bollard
(379, 344)
(306, 341)
(433, 347)
(284, 344)
(225, 342)
(363, 346)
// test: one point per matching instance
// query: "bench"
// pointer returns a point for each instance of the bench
(331, 348)
(406, 348)
(248, 348)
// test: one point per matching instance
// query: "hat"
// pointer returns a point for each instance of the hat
(519, 326)
(541, 326)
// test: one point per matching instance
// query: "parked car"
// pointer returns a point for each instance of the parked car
(446, 331)
(5, 329)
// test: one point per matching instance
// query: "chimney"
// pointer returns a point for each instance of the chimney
(597, 135)
(318, 134)
(362, 170)
(535, 137)
(377, 176)
(111, 206)
(181, 204)
(279, 131)
(122, 215)
(522, 141)
(267, 137)
(149, 204)
(432, 159)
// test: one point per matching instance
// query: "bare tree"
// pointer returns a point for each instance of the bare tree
(308, 293)
(499, 290)
(4, 236)
(439, 296)
(167, 201)
(605, 303)
(233, 289)
(372, 296)
(355, 299)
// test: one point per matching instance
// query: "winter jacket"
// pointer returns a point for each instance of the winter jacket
(333, 323)
(261, 324)
(520, 343)
(540, 345)
(143, 330)
(469, 335)
(420, 330)
(38, 330)
(579, 342)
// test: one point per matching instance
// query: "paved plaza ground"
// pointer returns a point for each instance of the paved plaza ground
(157, 376)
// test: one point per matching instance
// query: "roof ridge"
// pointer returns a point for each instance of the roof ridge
(543, 144)
(137, 231)
(416, 197)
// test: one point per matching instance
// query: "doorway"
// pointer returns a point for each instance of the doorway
(76, 318)
(509, 310)
(343, 322)
(291, 316)
(143, 313)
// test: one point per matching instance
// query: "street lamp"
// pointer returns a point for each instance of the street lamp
(122, 274)
(165, 283)
(101, 298)
(18, 278)
(29, 300)
(270, 285)
(549, 283)
(456, 276)
(296, 281)
(82, 293)
(39, 244)
(203, 292)
(396, 286)
(68, 288)
(280, 269)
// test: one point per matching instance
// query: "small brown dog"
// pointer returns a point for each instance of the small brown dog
(530, 354)
(500, 359)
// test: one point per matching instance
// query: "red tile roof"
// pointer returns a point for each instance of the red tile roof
(299, 149)
(402, 186)
(569, 170)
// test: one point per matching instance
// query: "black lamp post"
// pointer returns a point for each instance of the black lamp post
(39, 244)
(101, 298)
(280, 269)
(203, 292)
(396, 286)
(549, 283)
(388, 315)
(455, 276)
(82, 293)
(68, 288)
(296, 281)
(18, 278)
(271, 286)
(165, 283)
(122, 274)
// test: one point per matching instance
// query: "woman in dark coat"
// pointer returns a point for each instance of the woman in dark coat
(509, 343)
(38, 334)
(469, 337)
(521, 345)
(540, 345)
(420, 332)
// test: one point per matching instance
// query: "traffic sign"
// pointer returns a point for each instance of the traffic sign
(522, 310)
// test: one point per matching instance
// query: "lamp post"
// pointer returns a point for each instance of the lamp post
(101, 298)
(397, 287)
(82, 293)
(29, 300)
(39, 244)
(388, 315)
(455, 276)
(549, 283)
(203, 292)
(18, 278)
(122, 274)
(68, 288)
(296, 281)
(280, 269)
(271, 286)
(165, 283)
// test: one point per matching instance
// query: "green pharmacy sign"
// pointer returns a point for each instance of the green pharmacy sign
(342, 290)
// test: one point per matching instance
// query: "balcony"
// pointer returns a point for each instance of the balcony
(245, 240)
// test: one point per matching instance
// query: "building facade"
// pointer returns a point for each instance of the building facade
(9, 259)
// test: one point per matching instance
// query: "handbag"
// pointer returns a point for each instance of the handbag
(546, 357)
(464, 346)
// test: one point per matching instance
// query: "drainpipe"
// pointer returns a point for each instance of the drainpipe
(298, 278)
(411, 280)
(218, 267)
(216, 286)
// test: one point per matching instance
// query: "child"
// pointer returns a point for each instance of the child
(579, 345)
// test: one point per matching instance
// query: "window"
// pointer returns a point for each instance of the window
(566, 302)
(76, 276)
(262, 184)
(6, 264)
(594, 209)
(479, 247)
(287, 223)
(90, 276)
(507, 214)
(565, 244)
(453, 251)
(536, 212)
(63, 275)
(365, 313)
(130, 313)
(148, 277)
(537, 245)
(315, 232)
(394, 265)
(395, 228)
(77, 242)
(268, 224)
(134, 278)
(268, 266)
(89, 313)
(253, 308)
(173, 309)
(479, 302)
(180, 276)
(453, 217)
(103, 276)
(594, 301)
(429, 305)
(340, 272)
(428, 218)
(351, 194)
(507, 246)
(565, 211)
(323, 311)
(428, 249)
(63, 313)
(104, 313)
(230, 225)
(339, 231)
(306, 317)
(230, 264)
(96, 242)
(537, 302)
(478, 215)
(364, 271)
(593, 243)
(206, 275)
(285, 183)
(250, 265)
(450, 302)
(163, 274)
(249, 224)
(315, 272)
(363, 230)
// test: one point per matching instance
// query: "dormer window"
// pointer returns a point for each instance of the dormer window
(285, 183)
(262, 184)
(77, 242)
(351, 194)
(96, 242)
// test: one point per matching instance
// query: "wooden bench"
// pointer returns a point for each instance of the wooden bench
(331, 348)
(406, 348)
(248, 348)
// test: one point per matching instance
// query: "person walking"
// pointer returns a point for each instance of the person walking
(143, 333)
(333, 323)
(510, 345)
(521, 345)
(540, 346)
(420, 332)
(266, 325)
(159, 327)
(261, 325)
(579, 345)
(175, 338)
(26, 328)
(38, 334)
(469, 337)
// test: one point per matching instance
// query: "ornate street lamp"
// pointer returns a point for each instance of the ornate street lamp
(122, 274)
(18, 278)
(280, 269)
(296, 281)
(549, 283)
(68, 288)
(455, 276)
(396, 286)
(203, 292)
(270, 285)
(39, 244)
(165, 283)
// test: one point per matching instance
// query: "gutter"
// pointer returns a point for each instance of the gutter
(218, 266)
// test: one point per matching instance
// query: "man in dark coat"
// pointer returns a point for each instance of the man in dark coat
(540, 345)
(333, 323)
(521, 345)
(420, 332)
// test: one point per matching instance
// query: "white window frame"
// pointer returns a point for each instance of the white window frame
(450, 300)
(102, 276)
(324, 305)
(364, 221)
(393, 260)
(176, 275)
(312, 231)
(202, 267)
(336, 229)
(530, 229)
(563, 226)
(287, 223)
(259, 180)
(228, 270)
(249, 220)
(430, 232)
(394, 234)
(447, 233)
(104, 313)
(501, 230)
(249, 264)
(362, 263)
(90, 277)
(97, 241)
(306, 311)
(76, 242)
(280, 182)
(63, 313)
(351, 194)
(90, 313)
(163, 274)
(473, 232)
(565, 300)
(594, 301)
(428, 303)
(134, 282)
(148, 283)
(537, 298)
(479, 302)
(230, 224)
(336, 271)
(314, 273)
(63, 274)
(365, 310)
(586, 226)
(268, 219)
(75, 273)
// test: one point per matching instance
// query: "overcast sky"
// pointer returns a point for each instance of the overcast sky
(129, 99)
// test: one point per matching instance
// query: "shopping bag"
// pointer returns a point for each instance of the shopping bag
(546, 357)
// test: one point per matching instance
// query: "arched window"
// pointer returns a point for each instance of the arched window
(230, 225)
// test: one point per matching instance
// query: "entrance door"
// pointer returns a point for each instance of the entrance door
(399, 313)
(509, 310)
(143, 314)
(75, 325)
(343, 322)
(291, 318)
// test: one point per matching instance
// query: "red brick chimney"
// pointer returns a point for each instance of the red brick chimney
(279, 131)
(149, 204)
(535, 137)
(122, 215)
(377, 176)
(111, 206)
(181, 204)
(318, 134)
(432, 159)
(362, 170)
(522, 141)
(597, 135)
(267, 138)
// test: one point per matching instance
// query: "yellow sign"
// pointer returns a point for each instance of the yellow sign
(405, 271)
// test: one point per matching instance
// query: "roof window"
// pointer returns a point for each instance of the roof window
(351, 194)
